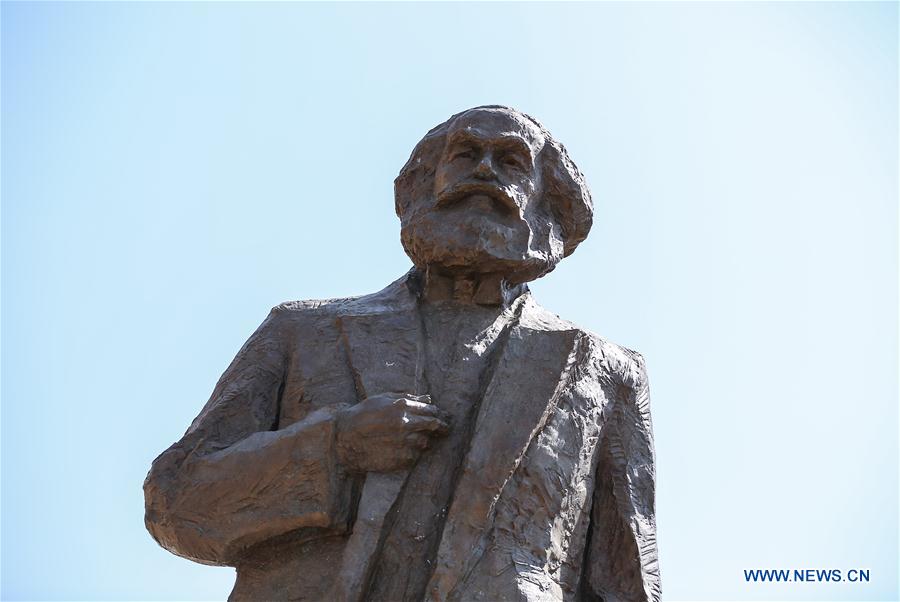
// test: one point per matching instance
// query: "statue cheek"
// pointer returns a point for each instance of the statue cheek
(449, 173)
(440, 179)
(527, 187)
(527, 199)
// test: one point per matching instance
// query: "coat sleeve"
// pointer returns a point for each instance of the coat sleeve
(235, 478)
(622, 560)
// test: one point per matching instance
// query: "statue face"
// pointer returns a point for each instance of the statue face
(488, 164)
(485, 215)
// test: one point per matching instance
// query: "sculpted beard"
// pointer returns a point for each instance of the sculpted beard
(478, 228)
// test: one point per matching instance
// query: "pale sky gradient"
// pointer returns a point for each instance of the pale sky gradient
(171, 171)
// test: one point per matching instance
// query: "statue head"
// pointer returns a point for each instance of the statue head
(489, 191)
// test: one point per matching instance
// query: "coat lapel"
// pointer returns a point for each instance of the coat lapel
(382, 340)
(382, 337)
(530, 374)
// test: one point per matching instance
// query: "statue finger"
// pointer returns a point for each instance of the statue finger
(409, 457)
(417, 440)
(401, 398)
(427, 409)
(427, 424)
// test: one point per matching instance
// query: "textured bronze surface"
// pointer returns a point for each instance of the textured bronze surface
(446, 438)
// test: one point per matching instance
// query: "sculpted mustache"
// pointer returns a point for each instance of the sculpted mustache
(466, 189)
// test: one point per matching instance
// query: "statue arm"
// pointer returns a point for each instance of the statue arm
(235, 478)
(622, 560)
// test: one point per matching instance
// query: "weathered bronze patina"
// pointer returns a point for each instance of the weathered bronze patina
(446, 438)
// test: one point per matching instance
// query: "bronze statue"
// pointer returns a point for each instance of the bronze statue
(444, 439)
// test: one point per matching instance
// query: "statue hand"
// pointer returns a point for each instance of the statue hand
(387, 432)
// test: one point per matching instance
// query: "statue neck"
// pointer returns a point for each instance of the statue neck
(475, 289)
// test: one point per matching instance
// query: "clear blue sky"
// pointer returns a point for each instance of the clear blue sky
(170, 172)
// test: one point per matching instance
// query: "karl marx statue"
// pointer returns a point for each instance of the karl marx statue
(446, 438)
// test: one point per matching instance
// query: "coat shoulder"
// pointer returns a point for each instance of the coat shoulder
(396, 296)
(624, 365)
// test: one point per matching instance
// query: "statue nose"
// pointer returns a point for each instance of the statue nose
(485, 169)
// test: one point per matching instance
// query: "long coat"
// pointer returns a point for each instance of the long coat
(554, 501)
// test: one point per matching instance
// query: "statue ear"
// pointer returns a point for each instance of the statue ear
(566, 194)
(416, 180)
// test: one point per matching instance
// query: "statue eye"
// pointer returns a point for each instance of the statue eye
(513, 161)
(464, 153)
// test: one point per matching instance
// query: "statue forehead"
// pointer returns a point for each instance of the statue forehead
(497, 123)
